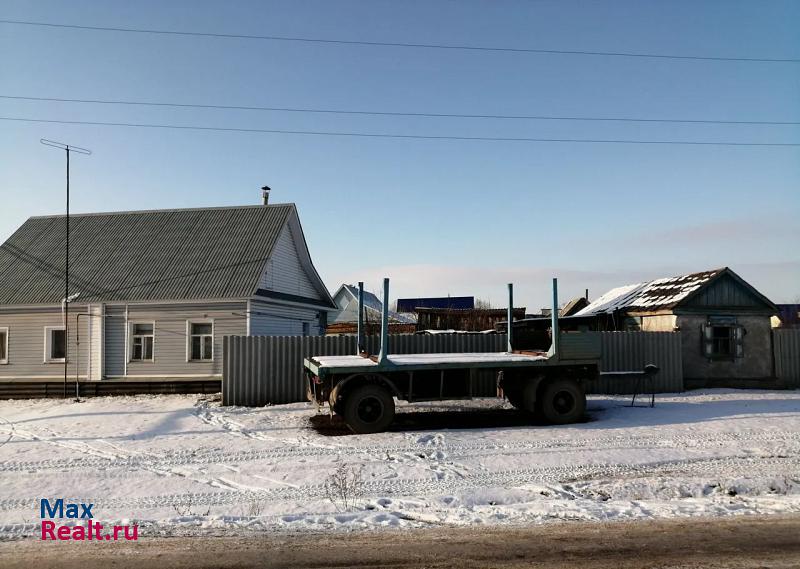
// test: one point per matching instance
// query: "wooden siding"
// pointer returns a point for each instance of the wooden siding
(170, 342)
(284, 272)
(269, 319)
(726, 293)
(26, 343)
(96, 325)
(114, 342)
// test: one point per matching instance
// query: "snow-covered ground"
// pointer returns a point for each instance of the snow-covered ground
(181, 464)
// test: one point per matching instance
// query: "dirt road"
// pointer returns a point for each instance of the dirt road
(764, 542)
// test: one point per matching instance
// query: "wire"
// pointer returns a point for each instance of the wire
(404, 136)
(404, 44)
(394, 113)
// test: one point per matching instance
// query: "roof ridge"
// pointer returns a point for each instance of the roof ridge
(167, 210)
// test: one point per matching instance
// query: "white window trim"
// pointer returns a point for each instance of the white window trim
(189, 339)
(131, 324)
(48, 343)
(4, 360)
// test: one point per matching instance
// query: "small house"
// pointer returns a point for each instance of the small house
(153, 293)
(723, 320)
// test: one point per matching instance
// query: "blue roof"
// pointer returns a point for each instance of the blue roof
(446, 302)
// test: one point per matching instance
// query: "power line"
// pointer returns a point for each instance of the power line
(394, 113)
(404, 44)
(402, 136)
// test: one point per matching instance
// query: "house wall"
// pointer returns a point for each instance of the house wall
(284, 273)
(171, 340)
(26, 343)
(755, 364)
(105, 345)
(659, 323)
(273, 319)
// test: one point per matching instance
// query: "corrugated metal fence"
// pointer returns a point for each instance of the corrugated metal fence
(269, 369)
(786, 344)
(258, 370)
(631, 351)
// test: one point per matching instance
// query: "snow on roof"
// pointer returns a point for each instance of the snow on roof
(653, 295)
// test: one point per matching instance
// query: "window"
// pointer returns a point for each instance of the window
(3, 345)
(306, 329)
(723, 338)
(142, 343)
(55, 344)
(201, 341)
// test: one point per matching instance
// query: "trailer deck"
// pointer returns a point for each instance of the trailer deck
(323, 365)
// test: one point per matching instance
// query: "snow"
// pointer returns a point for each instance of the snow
(612, 300)
(422, 359)
(183, 464)
(660, 292)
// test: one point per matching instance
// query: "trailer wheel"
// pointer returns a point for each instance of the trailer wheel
(562, 401)
(368, 409)
(515, 398)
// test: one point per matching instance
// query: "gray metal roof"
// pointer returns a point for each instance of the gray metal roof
(203, 253)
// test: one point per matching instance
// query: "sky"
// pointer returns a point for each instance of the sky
(459, 217)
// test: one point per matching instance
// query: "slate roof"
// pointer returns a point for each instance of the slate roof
(185, 254)
(660, 294)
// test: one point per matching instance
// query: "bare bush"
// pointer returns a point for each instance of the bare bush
(253, 509)
(186, 509)
(344, 486)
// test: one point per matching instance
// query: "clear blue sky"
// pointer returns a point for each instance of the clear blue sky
(438, 217)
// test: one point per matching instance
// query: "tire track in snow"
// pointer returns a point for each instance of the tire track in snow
(730, 466)
(104, 459)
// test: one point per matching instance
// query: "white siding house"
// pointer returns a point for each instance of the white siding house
(156, 291)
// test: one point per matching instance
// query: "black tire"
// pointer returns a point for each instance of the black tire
(368, 409)
(524, 397)
(562, 401)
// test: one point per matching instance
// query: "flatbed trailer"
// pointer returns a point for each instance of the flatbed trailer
(362, 388)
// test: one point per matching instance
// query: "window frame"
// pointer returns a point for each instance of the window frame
(189, 337)
(48, 345)
(735, 340)
(720, 340)
(4, 330)
(132, 326)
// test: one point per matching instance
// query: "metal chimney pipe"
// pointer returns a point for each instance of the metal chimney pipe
(383, 356)
(553, 351)
(360, 339)
(510, 316)
(265, 195)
